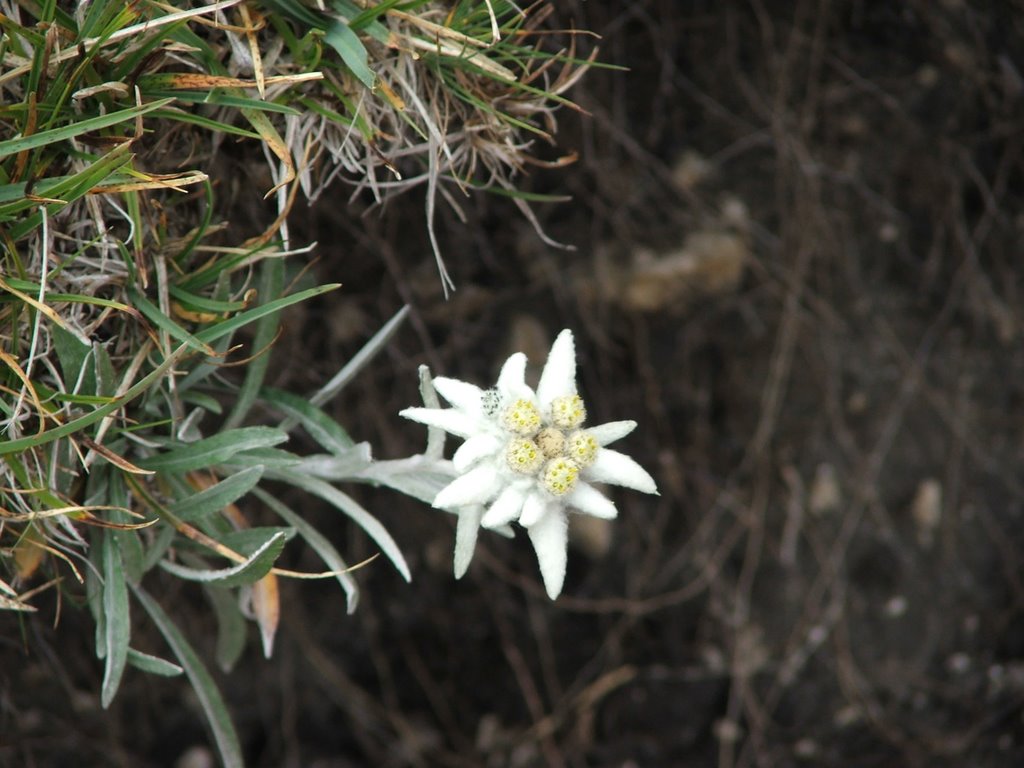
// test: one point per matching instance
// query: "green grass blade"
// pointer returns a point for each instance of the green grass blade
(41, 139)
(206, 123)
(152, 313)
(271, 284)
(352, 51)
(244, 318)
(220, 99)
(77, 425)
(202, 303)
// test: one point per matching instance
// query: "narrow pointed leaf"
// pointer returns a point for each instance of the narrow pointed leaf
(206, 689)
(550, 538)
(345, 466)
(361, 517)
(154, 665)
(321, 427)
(244, 318)
(466, 531)
(117, 630)
(77, 128)
(320, 545)
(360, 358)
(266, 610)
(214, 450)
(346, 42)
(213, 499)
(164, 323)
(264, 331)
(418, 476)
(255, 567)
(231, 634)
(435, 435)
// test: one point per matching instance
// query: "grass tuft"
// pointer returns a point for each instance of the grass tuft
(123, 300)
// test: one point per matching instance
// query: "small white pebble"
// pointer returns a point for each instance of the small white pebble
(926, 510)
(196, 757)
(958, 663)
(846, 716)
(896, 606)
(727, 730)
(806, 749)
(825, 495)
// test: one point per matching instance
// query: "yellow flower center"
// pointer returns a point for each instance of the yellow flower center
(522, 418)
(568, 411)
(582, 448)
(560, 476)
(522, 455)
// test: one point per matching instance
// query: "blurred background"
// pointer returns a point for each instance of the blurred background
(796, 263)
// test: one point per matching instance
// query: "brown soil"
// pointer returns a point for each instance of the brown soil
(797, 266)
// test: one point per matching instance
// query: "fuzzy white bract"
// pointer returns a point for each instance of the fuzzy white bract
(529, 458)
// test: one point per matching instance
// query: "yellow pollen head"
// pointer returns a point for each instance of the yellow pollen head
(568, 411)
(551, 442)
(582, 448)
(522, 418)
(560, 475)
(523, 456)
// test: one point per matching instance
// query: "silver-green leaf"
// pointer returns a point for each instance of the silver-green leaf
(154, 665)
(320, 545)
(254, 568)
(352, 509)
(206, 690)
(213, 499)
(117, 624)
(203, 454)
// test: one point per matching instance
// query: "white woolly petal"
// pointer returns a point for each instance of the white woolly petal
(506, 507)
(617, 468)
(534, 507)
(477, 486)
(549, 536)
(465, 537)
(465, 396)
(612, 431)
(513, 374)
(559, 376)
(504, 530)
(475, 448)
(590, 501)
(449, 419)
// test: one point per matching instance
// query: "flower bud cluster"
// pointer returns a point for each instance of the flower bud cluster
(553, 448)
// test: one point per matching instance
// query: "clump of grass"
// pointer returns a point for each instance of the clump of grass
(122, 298)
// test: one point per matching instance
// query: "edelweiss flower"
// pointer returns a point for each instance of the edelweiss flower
(527, 457)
